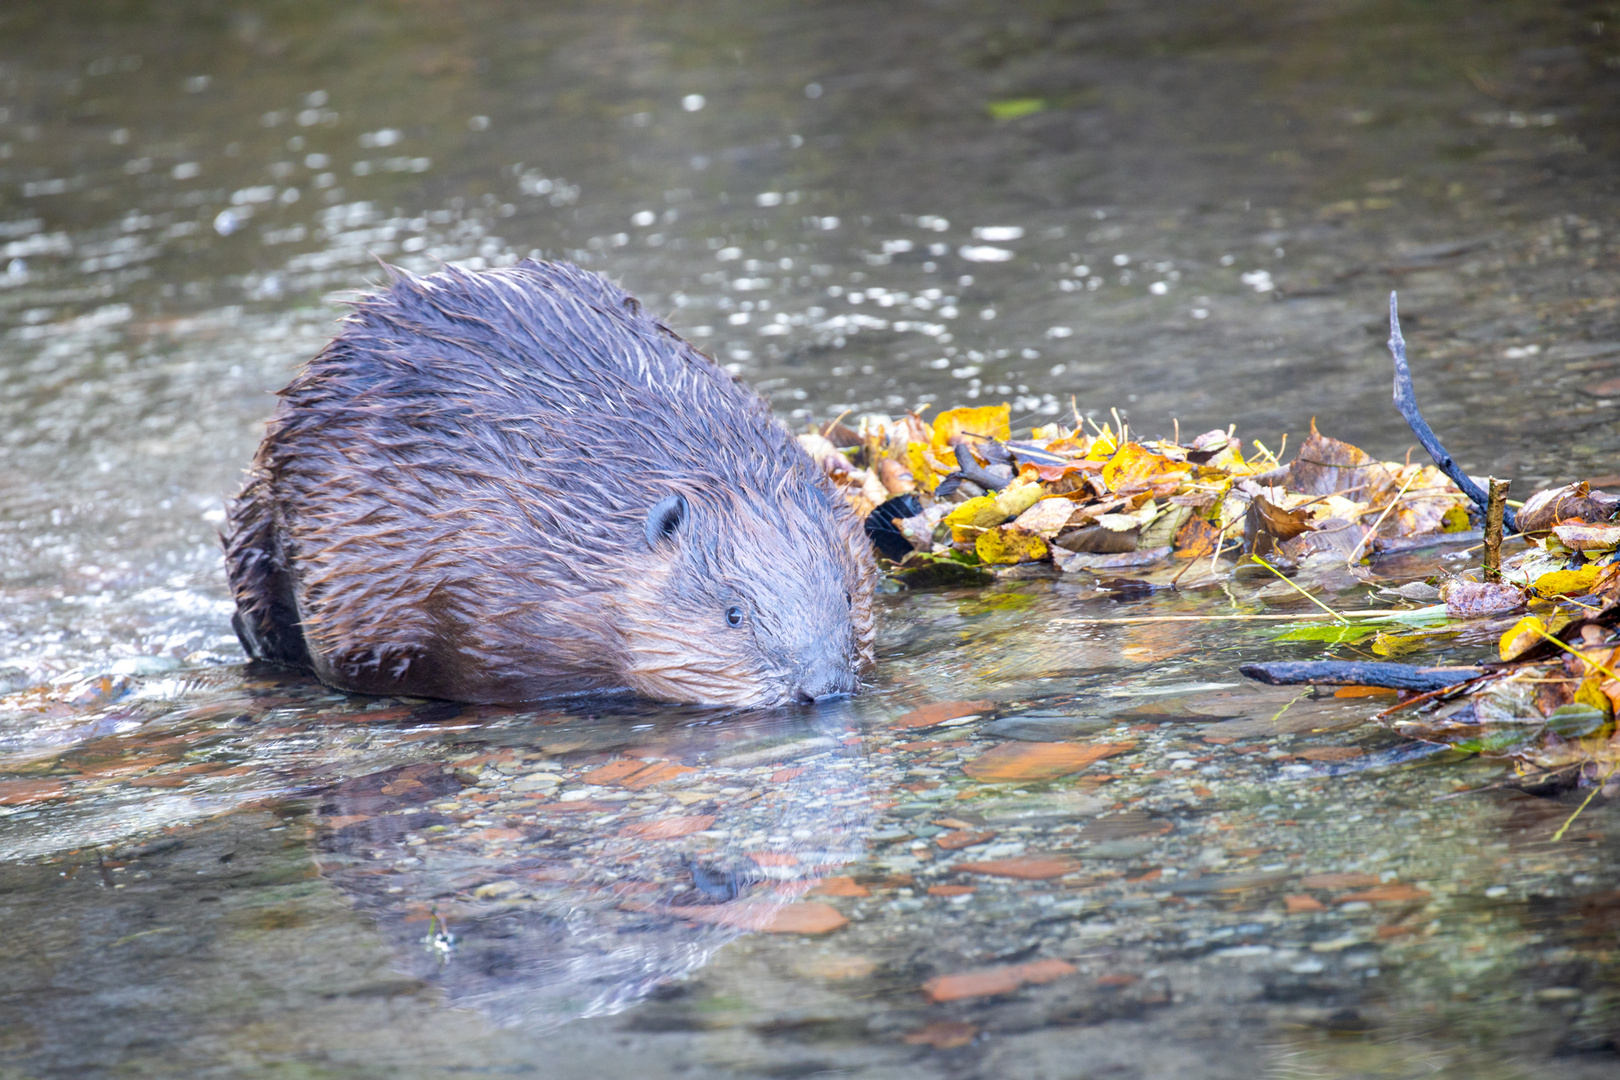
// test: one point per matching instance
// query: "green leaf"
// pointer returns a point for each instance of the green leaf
(1573, 721)
(1013, 108)
(1331, 633)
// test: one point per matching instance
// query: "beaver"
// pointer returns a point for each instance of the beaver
(509, 484)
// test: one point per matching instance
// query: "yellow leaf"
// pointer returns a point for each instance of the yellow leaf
(1387, 644)
(1015, 500)
(1010, 544)
(921, 470)
(1135, 464)
(1591, 693)
(1567, 582)
(1526, 633)
(1454, 520)
(987, 421)
(975, 514)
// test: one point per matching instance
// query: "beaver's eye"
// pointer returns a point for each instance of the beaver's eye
(734, 615)
(849, 598)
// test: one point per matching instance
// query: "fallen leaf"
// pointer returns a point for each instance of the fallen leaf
(985, 421)
(1009, 545)
(1303, 904)
(1465, 599)
(1588, 537)
(988, 982)
(951, 890)
(1525, 635)
(954, 841)
(1038, 761)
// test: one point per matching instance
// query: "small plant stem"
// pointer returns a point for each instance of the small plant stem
(1356, 554)
(1495, 507)
(1605, 668)
(1559, 835)
(1281, 576)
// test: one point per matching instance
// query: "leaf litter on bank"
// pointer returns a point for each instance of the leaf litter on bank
(962, 501)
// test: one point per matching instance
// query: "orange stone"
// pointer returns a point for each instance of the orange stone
(961, 838)
(941, 711)
(840, 886)
(655, 773)
(1393, 893)
(1303, 903)
(774, 858)
(944, 1034)
(1014, 761)
(800, 917)
(782, 776)
(1338, 881)
(951, 890)
(611, 773)
(1026, 867)
(988, 982)
(495, 832)
(1328, 753)
(19, 792)
(668, 828)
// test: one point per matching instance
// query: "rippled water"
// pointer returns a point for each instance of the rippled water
(1189, 212)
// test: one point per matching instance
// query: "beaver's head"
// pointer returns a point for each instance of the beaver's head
(750, 601)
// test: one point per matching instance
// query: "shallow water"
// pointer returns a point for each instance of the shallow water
(214, 869)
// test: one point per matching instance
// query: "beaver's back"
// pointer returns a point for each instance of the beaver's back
(453, 500)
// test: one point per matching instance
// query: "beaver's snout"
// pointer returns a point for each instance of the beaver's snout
(827, 680)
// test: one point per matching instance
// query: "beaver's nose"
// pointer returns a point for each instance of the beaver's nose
(826, 681)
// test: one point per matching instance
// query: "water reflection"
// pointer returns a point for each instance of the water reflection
(563, 882)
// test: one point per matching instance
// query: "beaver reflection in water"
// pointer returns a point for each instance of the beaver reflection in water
(507, 484)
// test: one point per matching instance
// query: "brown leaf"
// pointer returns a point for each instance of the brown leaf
(1327, 466)
(1196, 538)
(1280, 523)
(955, 841)
(1572, 502)
(1038, 761)
(1303, 904)
(1466, 599)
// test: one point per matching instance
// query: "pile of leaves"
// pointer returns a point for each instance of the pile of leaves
(959, 499)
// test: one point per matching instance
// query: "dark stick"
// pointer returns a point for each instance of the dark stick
(1359, 673)
(1406, 402)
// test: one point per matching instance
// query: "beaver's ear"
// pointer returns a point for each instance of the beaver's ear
(664, 518)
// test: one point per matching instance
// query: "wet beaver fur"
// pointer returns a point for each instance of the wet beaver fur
(507, 484)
